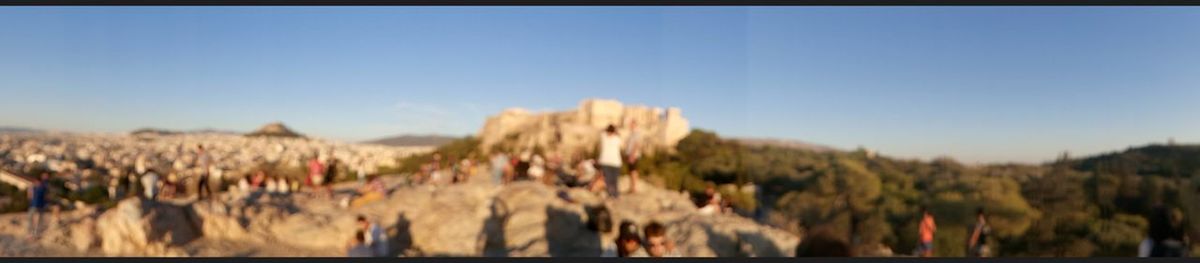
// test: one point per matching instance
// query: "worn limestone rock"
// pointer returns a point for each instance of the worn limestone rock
(577, 131)
(138, 227)
(522, 219)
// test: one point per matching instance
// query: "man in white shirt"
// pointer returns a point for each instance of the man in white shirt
(150, 184)
(610, 159)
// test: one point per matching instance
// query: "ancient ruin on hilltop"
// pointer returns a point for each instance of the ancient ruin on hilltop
(578, 130)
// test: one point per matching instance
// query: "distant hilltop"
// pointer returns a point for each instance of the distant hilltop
(275, 129)
(162, 132)
(578, 130)
(269, 130)
(7, 129)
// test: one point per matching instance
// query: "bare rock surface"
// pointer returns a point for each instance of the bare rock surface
(476, 218)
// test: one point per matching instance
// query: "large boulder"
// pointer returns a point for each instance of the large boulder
(451, 220)
(138, 227)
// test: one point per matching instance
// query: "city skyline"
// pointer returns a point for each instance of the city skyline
(978, 84)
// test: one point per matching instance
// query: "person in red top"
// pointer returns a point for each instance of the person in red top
(928, 227)
(316, 174)
(259, 178)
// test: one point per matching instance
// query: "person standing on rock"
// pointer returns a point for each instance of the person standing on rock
(633, 153)
(499, 167)
(331, 172)
(927, 229)
(375, 238)
(316, 175)
(610, 159)
(977, 244)
(150, 184)
(360, 170)
(204, 162)
(37, 203)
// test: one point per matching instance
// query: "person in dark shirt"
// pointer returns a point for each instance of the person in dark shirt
(977, 244)
(521, 169)
(204, 162)
(1167, 233)
(331, 172)
(37, 203)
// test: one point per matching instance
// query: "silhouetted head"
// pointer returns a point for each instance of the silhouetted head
(611, 129)
(360, 237)
(627, 239)
(1165, 223)
(979, 212)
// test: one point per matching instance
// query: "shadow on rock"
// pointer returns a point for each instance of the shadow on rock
(401, 236)
(492, 236)
(567, 235)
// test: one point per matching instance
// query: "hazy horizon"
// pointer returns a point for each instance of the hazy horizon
(978, 84)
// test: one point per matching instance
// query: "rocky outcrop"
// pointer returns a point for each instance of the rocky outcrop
(578, 131)
(141, 228)
(523, 219)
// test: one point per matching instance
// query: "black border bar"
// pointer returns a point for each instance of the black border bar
(608, 2)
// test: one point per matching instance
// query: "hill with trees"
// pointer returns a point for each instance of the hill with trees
(1090, 206)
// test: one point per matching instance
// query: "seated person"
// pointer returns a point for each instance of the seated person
(712, 202)
(357, 247)
(374, 190)
(627, 244)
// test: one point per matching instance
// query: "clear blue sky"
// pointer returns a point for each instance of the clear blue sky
(980, 84)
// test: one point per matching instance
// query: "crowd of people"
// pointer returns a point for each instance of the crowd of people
(163, 167)
(598, 174)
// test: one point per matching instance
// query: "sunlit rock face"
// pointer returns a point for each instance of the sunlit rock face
(476, 218)
(577, 131)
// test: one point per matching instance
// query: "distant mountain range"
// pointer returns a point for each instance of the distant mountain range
(784, 143)
(414, 140)
(6, 129)
(157, 131)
